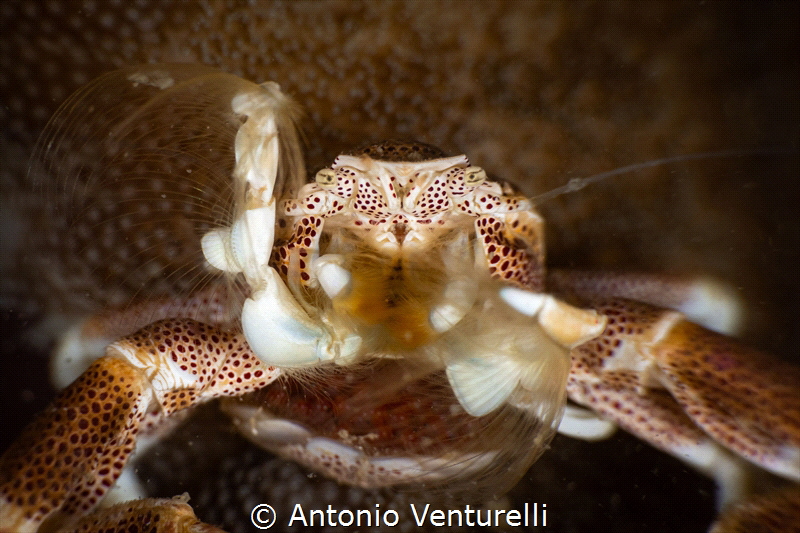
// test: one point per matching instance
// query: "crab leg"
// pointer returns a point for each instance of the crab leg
(745, 399)
(71, 455)
(86, 340)
(650, 366)
(704, 300)
(775, 511)
(152, 515)
(512, 244)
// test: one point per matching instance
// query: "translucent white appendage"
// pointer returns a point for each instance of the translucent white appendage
(495, 355)
(503, 351)
(281, 333)
(459, 297)
(580, 423)
(482, 384)
(526, 302)
(735, 477)
(258, 144)
(332, 276)
(268, 161)
(567, 325)
(74, 353)
(715, 306)
(244, 247)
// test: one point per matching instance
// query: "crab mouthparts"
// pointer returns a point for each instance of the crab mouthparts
(399, 230)
(391, 296)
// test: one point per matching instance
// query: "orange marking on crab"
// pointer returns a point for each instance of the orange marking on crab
(381, 302)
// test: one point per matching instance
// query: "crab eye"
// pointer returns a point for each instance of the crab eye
(326, 178)
(474, 176)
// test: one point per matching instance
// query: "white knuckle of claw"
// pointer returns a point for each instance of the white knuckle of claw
(569, 325)
(277, 329)
(526, 302)
(332, 276)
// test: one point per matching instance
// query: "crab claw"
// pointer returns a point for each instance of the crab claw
(267, 160)
(281, 333)
(245, 246)
(567, 325)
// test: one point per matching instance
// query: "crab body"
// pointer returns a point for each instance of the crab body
(393, 318)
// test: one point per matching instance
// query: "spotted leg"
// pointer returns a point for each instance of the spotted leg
(704, 300)
(71, 455)
(513, 246)
(87, 339)
(152, 515)
(694, 393)
(776, 512)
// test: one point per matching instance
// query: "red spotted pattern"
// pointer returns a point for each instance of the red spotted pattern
(293, 257)
(370, 201)
(72, 454)
(726, 388)
(433, 200)
(513, 252)
(616, 394)
(145, 516)
(509, 234)
(711, 387)
(455, 182)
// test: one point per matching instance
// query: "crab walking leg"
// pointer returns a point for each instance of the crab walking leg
(151, 515)
(704, 300)
(656, 418)
(71, 455)
(87, 339)
(684, 388)
(774, 512)
(745, 399)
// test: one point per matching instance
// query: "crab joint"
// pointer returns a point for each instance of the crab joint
(280, 332)
(245, 246)
(332, 276)
(567, 325)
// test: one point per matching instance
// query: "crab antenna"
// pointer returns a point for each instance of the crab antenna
(576, 184)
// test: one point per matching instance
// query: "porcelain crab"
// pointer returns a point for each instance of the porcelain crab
(394, 316)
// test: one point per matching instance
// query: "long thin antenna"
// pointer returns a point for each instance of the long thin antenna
(576, 184)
